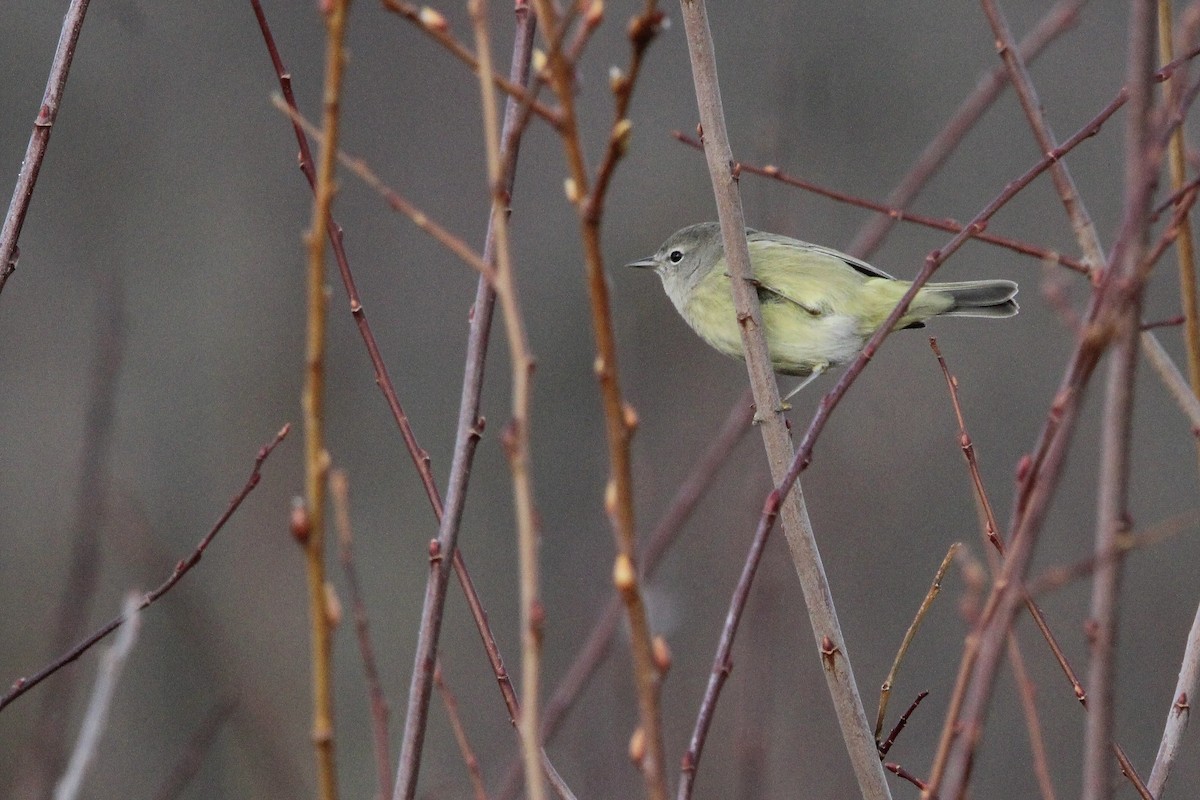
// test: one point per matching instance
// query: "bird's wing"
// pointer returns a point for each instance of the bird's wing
(810, 276)
(856, 264)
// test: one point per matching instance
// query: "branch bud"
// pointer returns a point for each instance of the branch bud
(433, 19)
(620, 135)
(637, 746)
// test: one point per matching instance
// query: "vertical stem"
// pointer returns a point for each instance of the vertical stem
(1184, 244)
(316, 459)
(517, 434)
(860, 743)
(466, 438)
(1112, 510)
(620, 420)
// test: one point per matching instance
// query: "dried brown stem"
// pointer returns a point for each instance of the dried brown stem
(39, 140)
(316, 458)
(1185, 247)
(990, 528)
(856, 733)
(339, 489)
(470, 424)
(993, 541)
(470, 428)
(1081, 222)
(1027, 692)
(898, 215)
(23, 685)
(885, 691)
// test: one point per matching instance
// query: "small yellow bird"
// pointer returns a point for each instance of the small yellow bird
(819, 306)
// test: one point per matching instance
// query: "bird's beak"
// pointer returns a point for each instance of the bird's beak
(643, 263)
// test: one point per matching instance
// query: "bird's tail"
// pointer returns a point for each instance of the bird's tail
(992, 298)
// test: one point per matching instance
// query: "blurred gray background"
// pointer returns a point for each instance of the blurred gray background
(170, 172)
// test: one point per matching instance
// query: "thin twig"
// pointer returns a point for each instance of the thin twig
(1056, 578)
(394, 199)
(339, 489)
(316, 458)
(899, 215)
(1027, 692)
(95, 719)
(333, 230)
(898, 728)
(470, 428)
(470, 424)
(839, 675)
(995, 551)
(1081, 222)
(885, 691)
(901, 772)
(1112, 513)
(23, 685)
(39, 139)
(990, 528)
(437, 27)
(722, 662)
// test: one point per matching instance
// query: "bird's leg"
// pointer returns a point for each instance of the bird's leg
(818, 369)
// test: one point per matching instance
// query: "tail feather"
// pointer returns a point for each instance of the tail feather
(992, 298)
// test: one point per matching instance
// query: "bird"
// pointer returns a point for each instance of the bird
(819, 306)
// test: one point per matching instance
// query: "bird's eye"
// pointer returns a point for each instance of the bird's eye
(676, 256)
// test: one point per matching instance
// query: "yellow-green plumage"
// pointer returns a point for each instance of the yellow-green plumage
(819, 306)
